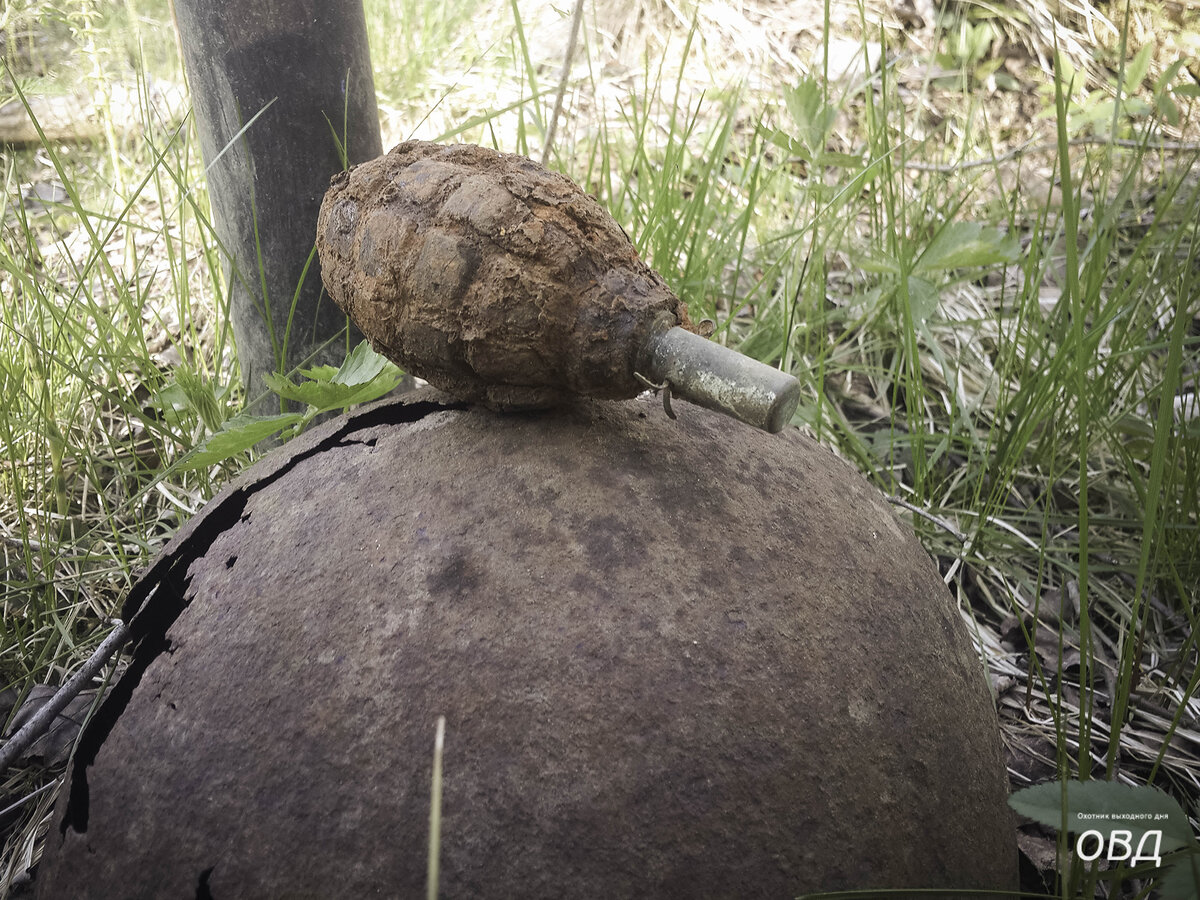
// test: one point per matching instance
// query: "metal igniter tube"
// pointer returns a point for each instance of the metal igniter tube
(718, 378)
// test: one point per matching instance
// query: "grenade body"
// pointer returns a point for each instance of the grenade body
(492, 278)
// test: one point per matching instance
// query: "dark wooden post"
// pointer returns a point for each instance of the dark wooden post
(301, 70)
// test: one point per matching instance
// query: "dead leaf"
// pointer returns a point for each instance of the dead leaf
(53, 748)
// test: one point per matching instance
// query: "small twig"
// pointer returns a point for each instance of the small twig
(34, 546)
(946, 526)
(1133, 144)
(950, 168)
(576, 21)
(13, 807)
(39, 723)
(1031, 147)
(941, 523)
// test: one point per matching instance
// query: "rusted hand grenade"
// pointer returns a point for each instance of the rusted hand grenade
(503, 283)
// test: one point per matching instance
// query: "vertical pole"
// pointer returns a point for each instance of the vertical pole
(301, 70)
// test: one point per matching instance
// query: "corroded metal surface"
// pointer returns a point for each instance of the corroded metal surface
(488, 276)
(721, 379)
(676, 659)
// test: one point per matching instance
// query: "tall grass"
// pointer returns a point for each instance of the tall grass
(110, 366)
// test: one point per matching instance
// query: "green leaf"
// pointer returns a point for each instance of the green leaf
(1136, 69)
(239, 433)
(1066, 72)
(876, 262)
(362, 366)
(1006, 82)
(320, 394)
(320, 373)
(840, 160)
(1181, 880)
(790, 145)
(811, 114)
(975, 41)
(1106, 806)
(1095, 112)
(923, 299)
(189, 391)
(960, 245)
(364, 376)
(1163, 101)
(373, 389)
(171, 401)
(986, 69)
(1167, 108)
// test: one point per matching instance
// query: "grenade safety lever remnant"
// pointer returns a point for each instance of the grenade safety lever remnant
(502, 283)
